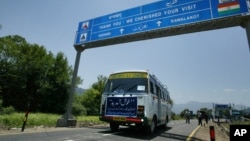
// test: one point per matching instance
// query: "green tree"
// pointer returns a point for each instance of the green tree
(183, 112)
(77, 108)
(15, 70)
(206, 110)
(57, 83)
(32, 78)
(91, 98)
(171, 102)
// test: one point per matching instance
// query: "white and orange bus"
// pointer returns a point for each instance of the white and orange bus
(135, 98)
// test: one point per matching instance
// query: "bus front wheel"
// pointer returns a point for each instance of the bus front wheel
(151, 128)
(165, 125)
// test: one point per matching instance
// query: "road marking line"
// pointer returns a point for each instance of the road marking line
(112, 133)
(191, 135)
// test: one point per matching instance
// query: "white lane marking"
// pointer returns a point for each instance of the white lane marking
(112, 133)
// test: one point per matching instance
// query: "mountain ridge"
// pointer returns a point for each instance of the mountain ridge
(192, 106)
(195, 106)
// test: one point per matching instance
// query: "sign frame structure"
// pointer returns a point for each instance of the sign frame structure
(160, 19)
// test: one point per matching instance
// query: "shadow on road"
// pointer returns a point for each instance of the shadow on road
(139, 133)
(179, 137)
(135, 132)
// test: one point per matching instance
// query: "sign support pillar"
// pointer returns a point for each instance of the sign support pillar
(68, 119)
(247, 26)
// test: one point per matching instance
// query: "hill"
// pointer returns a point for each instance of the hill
(193, 106)
(79, 91)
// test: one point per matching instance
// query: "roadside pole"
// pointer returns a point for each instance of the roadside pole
(68, 119)
(25, 120)
(212, 133)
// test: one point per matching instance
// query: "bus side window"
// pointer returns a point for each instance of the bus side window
(163, 96)
(151, 87)
(158, 91)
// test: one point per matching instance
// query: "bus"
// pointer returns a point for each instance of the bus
(135, 98)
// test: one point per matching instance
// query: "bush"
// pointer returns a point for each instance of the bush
(11, 120)
(78, 109)
(1, 104)
(34, 119)
(40, 119)
(8, 110)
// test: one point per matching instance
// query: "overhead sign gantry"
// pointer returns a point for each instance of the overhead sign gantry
(159, 19)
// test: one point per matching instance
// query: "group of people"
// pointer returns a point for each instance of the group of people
(187, 116)
(200, 115)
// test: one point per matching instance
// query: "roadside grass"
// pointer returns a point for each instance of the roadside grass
(89, 119)
(40, 119)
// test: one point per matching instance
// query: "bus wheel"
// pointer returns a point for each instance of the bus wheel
(114, 126)
(151, 128)
(164, 126)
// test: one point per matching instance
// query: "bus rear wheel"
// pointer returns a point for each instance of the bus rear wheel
(114, 126)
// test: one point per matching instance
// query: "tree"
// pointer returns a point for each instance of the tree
(56, 89)
(91, 99)
(16, 71)
(207, 111)
(182, 114)
(77, 108)
(171, 102)
(32, 78)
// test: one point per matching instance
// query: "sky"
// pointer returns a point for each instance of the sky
(210, 66)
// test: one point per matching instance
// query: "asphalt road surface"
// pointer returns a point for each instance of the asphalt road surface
(176, 131)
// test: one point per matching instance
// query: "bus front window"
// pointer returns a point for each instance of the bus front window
(124, 85)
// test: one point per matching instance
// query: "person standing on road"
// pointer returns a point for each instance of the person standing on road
(187, 116)
(206, 118)
(199, 114)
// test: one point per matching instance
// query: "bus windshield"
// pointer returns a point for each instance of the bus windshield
(124, 85)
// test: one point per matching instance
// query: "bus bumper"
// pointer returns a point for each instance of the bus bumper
(129, 120)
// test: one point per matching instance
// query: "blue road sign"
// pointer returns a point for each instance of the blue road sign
(221, 106)
(158, 15)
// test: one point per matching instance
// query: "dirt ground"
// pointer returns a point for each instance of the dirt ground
(203, 133)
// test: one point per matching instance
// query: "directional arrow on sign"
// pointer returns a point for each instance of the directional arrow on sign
(121, 30)
(159, 23)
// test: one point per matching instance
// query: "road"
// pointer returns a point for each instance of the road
(177, 130)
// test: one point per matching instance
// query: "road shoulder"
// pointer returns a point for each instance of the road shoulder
(203, 132)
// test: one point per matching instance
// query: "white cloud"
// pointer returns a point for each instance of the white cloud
(245, 90)
(228, 90)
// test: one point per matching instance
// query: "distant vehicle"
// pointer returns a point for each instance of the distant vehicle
(135, 98)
